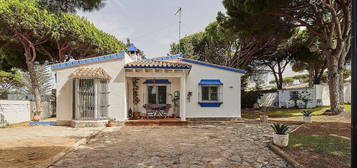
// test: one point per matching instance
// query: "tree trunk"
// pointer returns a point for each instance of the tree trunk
(333, 82)
(280, 76)
(34, 82)
(341, 88)
(311, 77)
(35, 85)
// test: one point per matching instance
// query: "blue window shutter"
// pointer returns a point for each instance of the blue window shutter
(157, 81)
(210, 82)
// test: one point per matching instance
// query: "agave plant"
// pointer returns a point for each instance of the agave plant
(280, 129)
(307, 113)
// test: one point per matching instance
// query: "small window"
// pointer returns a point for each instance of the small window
(210, 93)
(157, 94)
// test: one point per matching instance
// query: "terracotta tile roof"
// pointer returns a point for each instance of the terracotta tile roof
(90, 73)
(159, 64)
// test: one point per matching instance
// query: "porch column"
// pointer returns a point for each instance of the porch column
(126, 97)
(183, 97)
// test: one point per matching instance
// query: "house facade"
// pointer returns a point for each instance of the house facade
(119, 85)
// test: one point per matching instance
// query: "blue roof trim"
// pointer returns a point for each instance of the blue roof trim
(157, 81)
(157, 67)
(88, 60)
(210, 82)
(213, 65)
(132, 47)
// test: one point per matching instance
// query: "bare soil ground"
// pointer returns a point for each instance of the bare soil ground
(23, 146)
(315, 160)
(326, 129)
(27, 156)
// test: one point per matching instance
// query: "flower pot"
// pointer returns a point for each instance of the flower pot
(263, 118)
(281, 140)
(173, 115)
(109, 124)
(307, 119)
(136, 115)
(36, 117)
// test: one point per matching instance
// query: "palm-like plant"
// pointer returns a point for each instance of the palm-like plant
(307, 113)
(280, 129)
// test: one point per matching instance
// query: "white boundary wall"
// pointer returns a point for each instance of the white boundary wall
(14, 111)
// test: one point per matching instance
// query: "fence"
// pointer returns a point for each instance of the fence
(16, 111)
(319, 96)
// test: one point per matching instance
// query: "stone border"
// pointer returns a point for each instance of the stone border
(51, 161)
(277, 150)
(284, 155)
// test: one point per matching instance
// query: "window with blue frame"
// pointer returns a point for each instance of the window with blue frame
(210, 93)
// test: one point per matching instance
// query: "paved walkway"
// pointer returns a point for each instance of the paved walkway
(220, 145)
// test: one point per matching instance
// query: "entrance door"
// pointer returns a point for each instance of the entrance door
(86, 99)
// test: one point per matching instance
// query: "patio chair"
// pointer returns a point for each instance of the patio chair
(165, 110)
(150, 112)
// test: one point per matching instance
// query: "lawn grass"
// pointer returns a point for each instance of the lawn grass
(293, 112)
(320, 144)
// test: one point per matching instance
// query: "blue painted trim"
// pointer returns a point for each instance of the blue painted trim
(88, 60)
(213, 65)
(157, 67)
(132, 48)
(165, 58)
(157, 81)
(206, 104)
(42, 123)
(210, 82)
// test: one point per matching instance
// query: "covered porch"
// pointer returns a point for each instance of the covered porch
(156, 91)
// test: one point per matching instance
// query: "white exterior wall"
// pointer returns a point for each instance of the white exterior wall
(117, 96)
(14, 111)
(347, 91)
(231, 106)
(284, 98)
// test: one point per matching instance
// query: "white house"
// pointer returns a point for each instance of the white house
(116, 85)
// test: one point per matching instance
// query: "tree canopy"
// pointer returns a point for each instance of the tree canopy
(43, 34)
(329, 21)
(60, 35)
(70, 6)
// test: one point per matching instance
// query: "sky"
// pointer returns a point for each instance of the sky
(152, 24)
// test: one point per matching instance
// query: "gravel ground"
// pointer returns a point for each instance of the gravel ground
(222, 144)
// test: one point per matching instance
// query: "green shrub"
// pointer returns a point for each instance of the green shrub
(250, 98)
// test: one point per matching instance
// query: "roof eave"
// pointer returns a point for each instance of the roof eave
(213, 65)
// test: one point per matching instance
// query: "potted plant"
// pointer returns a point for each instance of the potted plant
(263, 117)
(110, 122)
(281, 136)
(36, 116)
(307, 116)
